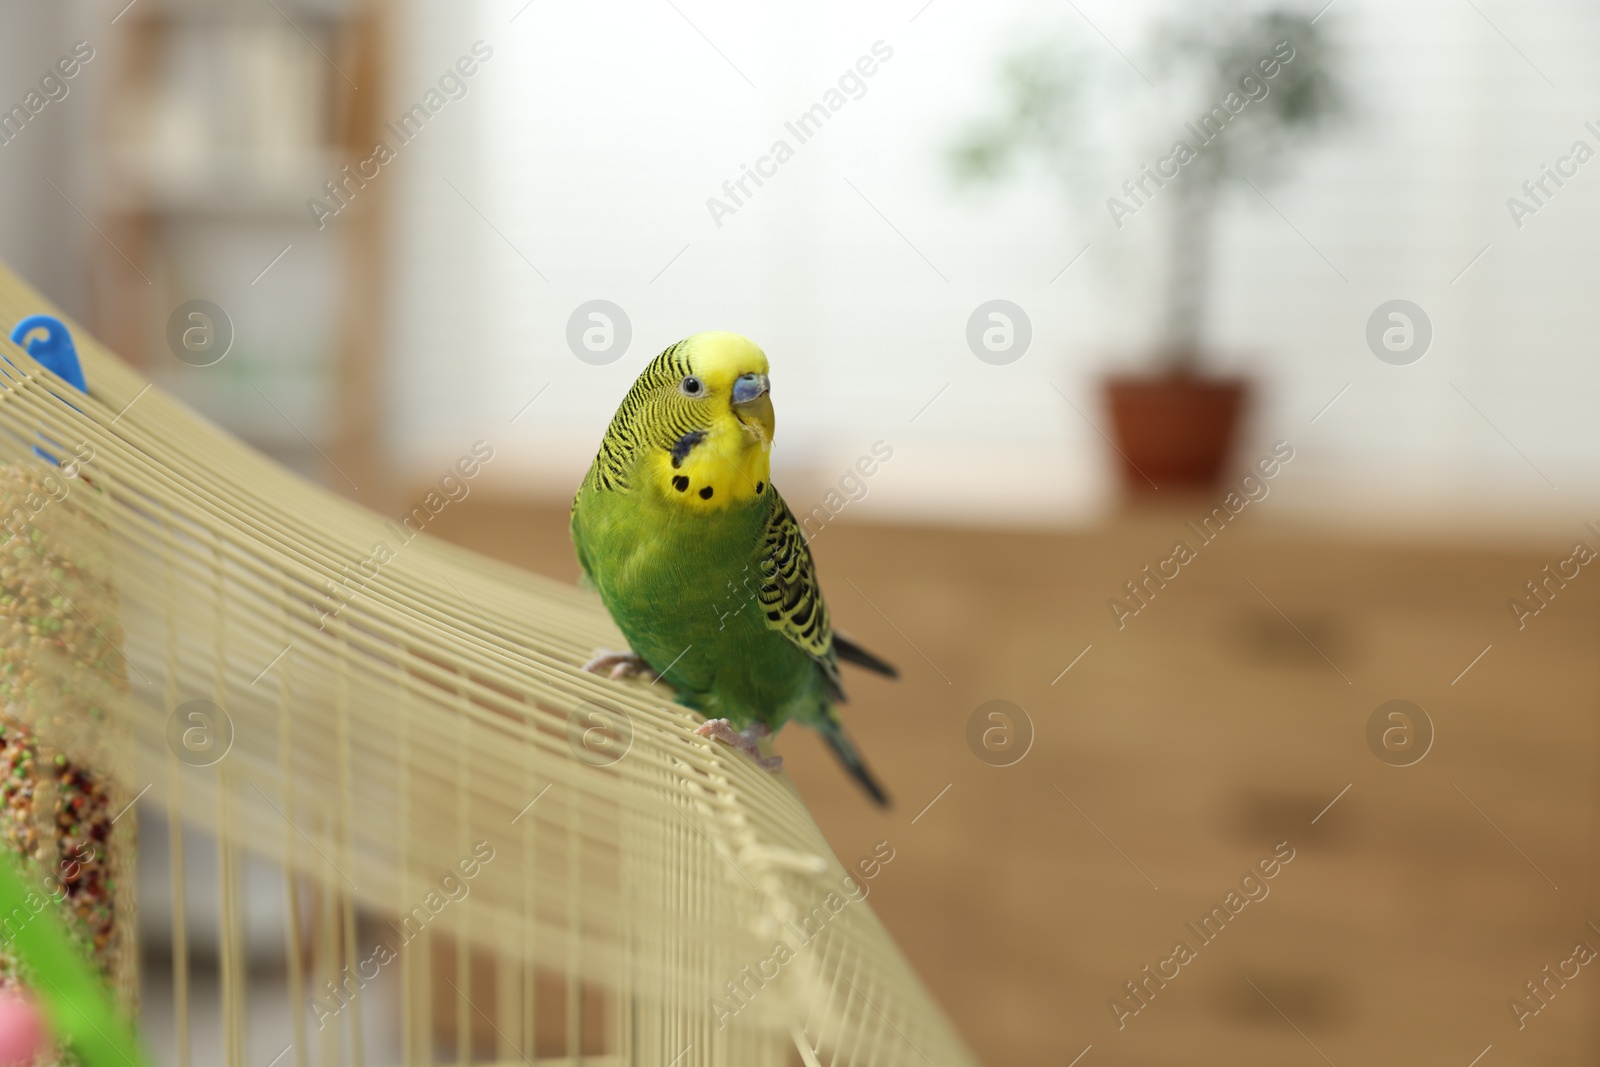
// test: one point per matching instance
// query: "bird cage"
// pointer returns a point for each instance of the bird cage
(470, 851)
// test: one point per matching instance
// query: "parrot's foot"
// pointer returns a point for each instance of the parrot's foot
(615, 664)
(745, 742)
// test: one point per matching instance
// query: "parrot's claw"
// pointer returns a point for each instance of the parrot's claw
(722, 730)
(617, 665)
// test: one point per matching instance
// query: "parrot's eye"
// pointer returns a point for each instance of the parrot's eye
(691, 386)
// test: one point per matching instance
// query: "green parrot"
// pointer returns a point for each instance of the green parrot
(701, 563)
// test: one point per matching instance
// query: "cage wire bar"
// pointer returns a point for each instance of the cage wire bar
(407, 735)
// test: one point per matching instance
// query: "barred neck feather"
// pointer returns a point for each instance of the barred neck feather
(641, 423)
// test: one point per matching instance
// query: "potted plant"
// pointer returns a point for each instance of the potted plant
(1230, 103)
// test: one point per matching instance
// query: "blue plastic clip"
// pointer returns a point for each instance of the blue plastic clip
(54, 350)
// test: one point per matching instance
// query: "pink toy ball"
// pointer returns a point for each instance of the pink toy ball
(22, 1035)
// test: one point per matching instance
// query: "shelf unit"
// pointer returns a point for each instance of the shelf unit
(222, 120)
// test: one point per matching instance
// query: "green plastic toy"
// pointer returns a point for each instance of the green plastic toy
(73, 998)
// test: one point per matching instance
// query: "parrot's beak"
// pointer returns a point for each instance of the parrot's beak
(752, 403)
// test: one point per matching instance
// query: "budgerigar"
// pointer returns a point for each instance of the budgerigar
(700, 561)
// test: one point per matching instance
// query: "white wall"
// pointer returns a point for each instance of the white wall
(593, 138)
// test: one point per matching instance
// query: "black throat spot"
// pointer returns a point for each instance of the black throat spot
(681, 447)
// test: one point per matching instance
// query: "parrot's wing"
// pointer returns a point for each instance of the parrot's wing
(789, 594)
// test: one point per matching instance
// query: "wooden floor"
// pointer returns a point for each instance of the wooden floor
(1228, 716)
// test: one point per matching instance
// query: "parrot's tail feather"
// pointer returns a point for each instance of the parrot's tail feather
(846, 751)
(847, 650)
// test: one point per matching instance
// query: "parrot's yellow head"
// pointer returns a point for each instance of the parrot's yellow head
(703, 422)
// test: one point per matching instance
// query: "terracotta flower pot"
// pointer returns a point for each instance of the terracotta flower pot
(1176, 430)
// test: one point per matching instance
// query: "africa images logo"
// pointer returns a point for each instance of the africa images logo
(1212, 125)
(453, 85)
(803, 128)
